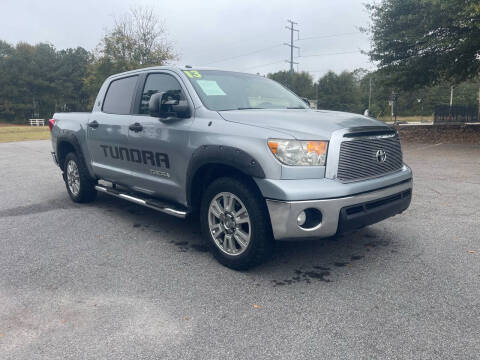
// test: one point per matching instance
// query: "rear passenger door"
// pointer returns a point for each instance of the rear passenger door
(162, 143)
(107, 132)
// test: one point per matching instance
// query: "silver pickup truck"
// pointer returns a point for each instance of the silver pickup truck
(241, 151)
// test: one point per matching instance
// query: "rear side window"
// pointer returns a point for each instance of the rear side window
(158, 83)
(118, 99)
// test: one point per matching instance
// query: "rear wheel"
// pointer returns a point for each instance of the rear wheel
(80, 186)
(235, 222)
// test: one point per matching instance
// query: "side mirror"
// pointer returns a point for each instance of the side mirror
(306, 101)
(167, 105)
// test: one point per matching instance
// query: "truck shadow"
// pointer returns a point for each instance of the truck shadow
(308, 261)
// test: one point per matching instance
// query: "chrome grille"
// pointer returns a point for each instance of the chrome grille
(358, 157)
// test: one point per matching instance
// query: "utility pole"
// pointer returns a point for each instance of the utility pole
(394, 106)
(420, 101)
(450, 116)
(369, 95)
(291, 45)
(478, 118)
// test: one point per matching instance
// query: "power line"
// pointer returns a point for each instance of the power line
(329, 36)
(262, 37)
(262, 65)
(325, 54)
(291, 45)
(292, 30)
(242, 55)
(288, 44)
(234, 43)
(328, 54)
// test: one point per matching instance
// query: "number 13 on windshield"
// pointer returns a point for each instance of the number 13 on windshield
(193, 74)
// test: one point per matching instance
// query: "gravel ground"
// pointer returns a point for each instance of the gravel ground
(114, 280)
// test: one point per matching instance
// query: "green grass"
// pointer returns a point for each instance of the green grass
(10, 133)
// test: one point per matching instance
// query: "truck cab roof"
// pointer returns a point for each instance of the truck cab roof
(177, 69)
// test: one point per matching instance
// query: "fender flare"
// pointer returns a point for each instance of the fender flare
(222, 155)
(73, 141)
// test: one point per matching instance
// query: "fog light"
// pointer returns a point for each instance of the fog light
(309, 219)
(301, 218)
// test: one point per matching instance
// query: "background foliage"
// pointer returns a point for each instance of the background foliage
(349, 91)
(301, 83)
(425, 42)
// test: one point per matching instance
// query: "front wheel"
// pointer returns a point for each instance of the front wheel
(235, 222)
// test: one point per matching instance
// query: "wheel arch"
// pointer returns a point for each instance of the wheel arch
(66, 144)
(213, 161)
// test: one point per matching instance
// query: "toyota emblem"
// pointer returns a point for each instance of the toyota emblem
(381, 156)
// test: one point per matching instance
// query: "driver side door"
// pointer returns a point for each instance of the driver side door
(161, 144)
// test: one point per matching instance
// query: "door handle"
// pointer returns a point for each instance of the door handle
(93, 124)
(136, 127)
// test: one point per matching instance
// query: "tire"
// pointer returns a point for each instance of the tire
(74, 169)
(232, 196)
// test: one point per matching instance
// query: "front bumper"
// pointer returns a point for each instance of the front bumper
(340, 214)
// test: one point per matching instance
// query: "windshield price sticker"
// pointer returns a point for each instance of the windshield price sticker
(193, 74)
(210, 88)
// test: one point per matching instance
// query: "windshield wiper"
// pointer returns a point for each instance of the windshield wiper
(295, 107)
(248, 108)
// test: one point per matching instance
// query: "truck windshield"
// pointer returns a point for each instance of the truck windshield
(226, 90)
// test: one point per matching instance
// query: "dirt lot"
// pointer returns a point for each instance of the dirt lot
(114, 280)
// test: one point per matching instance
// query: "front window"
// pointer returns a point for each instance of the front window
(158, 83)
(226, 90)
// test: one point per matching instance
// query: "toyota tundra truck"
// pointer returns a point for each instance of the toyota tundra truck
(242, 152)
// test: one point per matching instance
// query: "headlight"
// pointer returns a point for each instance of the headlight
(299, 153)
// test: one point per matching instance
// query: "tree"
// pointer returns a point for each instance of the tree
(425, 42)
(136, 40)
(5, 49)
(69, 80)
(339, 92)
(37, 80)
(26, 74)
(301, 83)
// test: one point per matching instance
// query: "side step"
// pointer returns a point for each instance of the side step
(150, 203)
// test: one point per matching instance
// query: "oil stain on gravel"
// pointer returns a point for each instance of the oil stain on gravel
(199, 247)
(374, 244)
(306, 277)
(184, 246)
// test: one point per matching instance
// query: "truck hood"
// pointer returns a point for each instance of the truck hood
(302, 124)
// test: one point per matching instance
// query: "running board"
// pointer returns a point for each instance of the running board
(150, 203)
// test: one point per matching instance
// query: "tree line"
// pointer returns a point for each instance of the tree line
(38, 80)
(350, 91)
